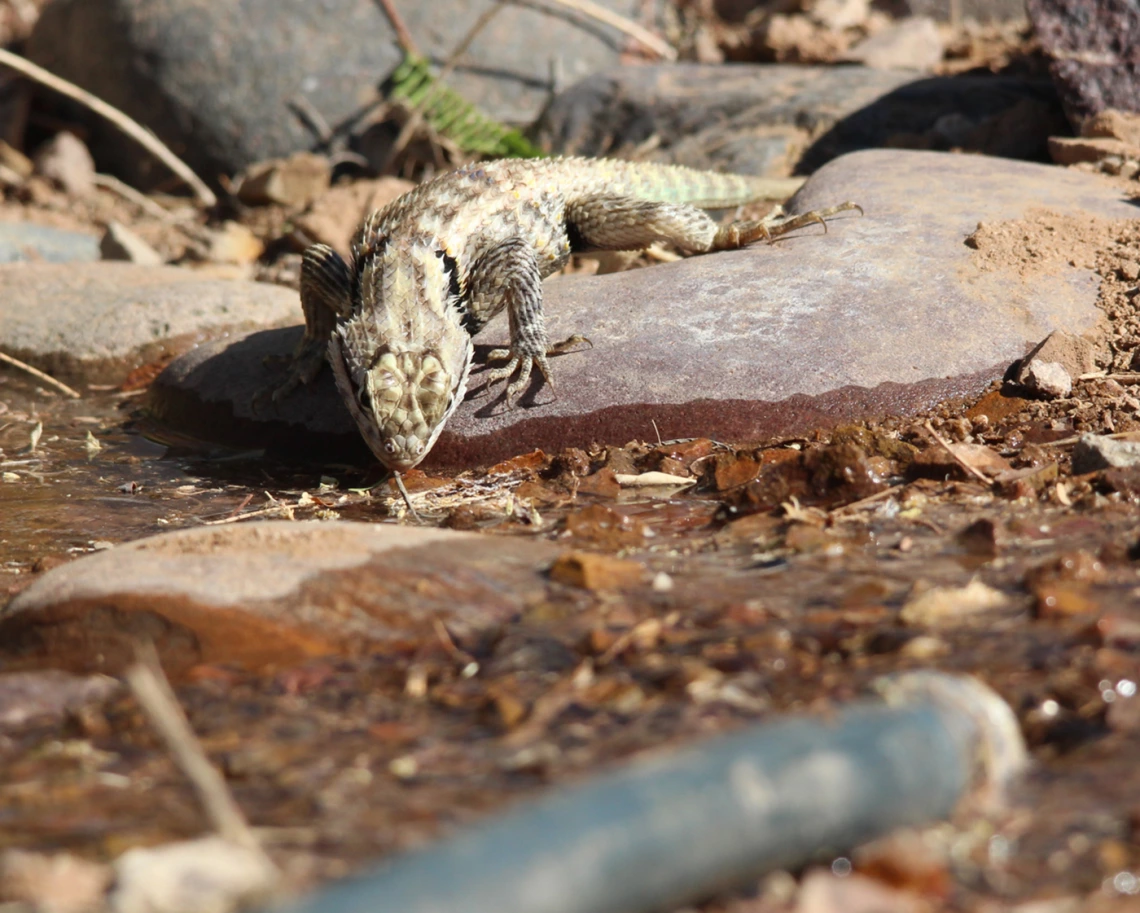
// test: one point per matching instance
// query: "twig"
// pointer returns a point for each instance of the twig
(130, 127)
(127, 192)
(312, 118)
(407, 499)
(157, 699)
(417, 115)
(403, 36)
(285, 510)
(978, 474)
(863, 502)
(657, 45)
(1066, 441)
(39, 375)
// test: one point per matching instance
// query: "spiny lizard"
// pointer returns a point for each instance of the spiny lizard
(429, 270)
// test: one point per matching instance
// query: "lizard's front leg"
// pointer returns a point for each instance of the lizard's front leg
(326, 294)
(508, 276)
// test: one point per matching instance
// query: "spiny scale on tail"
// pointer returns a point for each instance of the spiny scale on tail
(703, 189)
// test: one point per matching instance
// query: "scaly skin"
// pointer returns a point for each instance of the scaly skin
(429, 271)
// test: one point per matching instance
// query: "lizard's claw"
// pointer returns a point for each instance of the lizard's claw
(521, 363)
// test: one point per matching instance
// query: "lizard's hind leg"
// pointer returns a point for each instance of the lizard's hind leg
(625, 223)
(772, 226)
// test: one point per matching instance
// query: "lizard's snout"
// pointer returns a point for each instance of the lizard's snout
(401, 452)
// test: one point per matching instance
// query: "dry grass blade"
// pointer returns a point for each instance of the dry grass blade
(157, 699)
(127, 192)
(945, 444)
(403, 36)
(130, 127)
(39, 375)
(654, 43)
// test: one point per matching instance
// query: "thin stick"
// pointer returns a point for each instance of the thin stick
(127, 192)
(132, 128)
(863, 502)
(407, 499)
(416, 119)
(403, 36)
(39, 375)
(957, 459)
(157, 699)
(657, 45)
(1066, 441)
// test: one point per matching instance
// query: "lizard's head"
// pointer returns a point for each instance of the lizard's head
(401, 362)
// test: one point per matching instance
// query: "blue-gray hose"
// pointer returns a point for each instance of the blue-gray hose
(669, 830)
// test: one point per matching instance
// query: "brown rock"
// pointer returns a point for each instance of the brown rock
(65, 159)
(1046, 378)
(1121, 125)
(269, 594)
(938, 461)
(1062, 599)
(948, 606)
(1076, 354)
(120, 243)
(1023, 483)
(1066, 150)
(295, 181)
(908, 44)
(235, 243)
(337, 213)
(738, 346)
(823, 892)
(1096, 451)
(596, 572)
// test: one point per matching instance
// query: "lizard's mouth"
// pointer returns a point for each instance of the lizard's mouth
(399, 451)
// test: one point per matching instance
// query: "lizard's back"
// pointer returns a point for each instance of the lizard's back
(465, 210)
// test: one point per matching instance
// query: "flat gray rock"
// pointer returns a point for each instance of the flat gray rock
(773, 118)
(226, 84)
(23, 241)
(95, 322)
(270, 593)
(884, 314)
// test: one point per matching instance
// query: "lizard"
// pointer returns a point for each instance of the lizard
(429, 270)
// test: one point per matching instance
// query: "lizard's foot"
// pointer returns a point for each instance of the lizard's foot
(303, 367)
(524, 363)
(738, 234)
(516, 362)
(569, 344)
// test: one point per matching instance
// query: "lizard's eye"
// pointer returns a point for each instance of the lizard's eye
(390, 448)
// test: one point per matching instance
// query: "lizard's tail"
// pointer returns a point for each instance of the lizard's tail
(706, 189)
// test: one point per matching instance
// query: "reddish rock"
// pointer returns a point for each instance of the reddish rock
(1095, 55)
(888, 313)
(261, 595)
